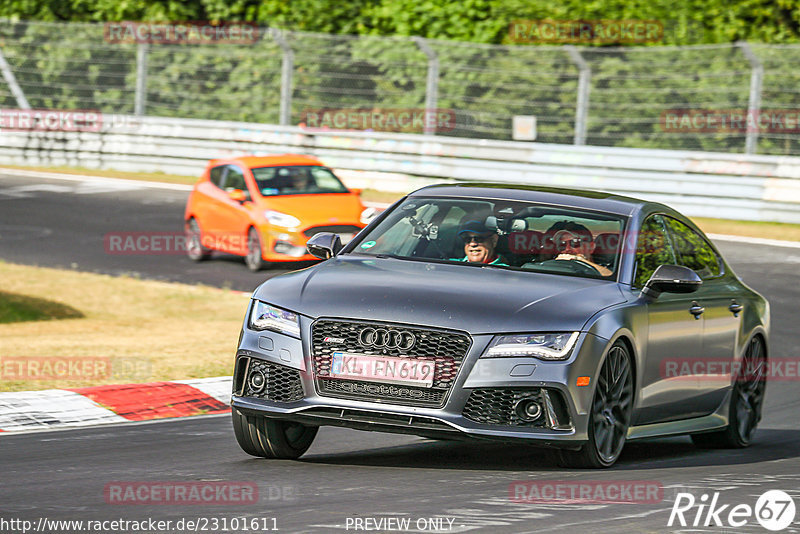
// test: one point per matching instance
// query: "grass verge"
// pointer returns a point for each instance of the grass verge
(767, 230)
(127, 330)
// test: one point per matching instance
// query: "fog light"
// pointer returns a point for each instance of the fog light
(282, 247)
(528, 410)
(257, 381)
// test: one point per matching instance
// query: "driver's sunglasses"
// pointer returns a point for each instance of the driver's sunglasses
(574, 243)
(469, 238)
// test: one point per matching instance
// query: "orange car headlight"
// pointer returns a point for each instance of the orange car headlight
(281, 219)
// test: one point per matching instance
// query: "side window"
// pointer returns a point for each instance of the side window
(653, 249)
(693, 251)
(215, 175)
(235, 179)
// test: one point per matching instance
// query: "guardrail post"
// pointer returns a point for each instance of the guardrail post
(754, 102)
(140, 98)
(584, 83)
(11, 80)
(287, 72)
(431, 85)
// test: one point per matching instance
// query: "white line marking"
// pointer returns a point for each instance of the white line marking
(754, 240)
(96, 179)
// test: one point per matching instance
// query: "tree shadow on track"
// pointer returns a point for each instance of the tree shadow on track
(769, 445)
(433, 454)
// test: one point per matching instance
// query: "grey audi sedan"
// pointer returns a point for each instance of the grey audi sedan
(566, 319)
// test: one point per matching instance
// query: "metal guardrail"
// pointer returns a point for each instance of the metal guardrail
(758, 188)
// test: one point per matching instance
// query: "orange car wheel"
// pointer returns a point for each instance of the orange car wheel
(255, 254)
(194, 242)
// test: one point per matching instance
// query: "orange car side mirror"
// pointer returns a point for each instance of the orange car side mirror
(356, 190)
(237, 195)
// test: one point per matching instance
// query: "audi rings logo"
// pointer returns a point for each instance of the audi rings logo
(385, 338)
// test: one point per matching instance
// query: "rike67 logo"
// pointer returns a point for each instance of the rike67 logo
(774, 510)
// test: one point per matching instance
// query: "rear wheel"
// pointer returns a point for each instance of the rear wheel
(610, 415)
(194, 242)
(254, 258)
(272, 438)
(747, 399)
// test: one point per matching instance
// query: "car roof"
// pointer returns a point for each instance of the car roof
(268, 161)
(577, 198)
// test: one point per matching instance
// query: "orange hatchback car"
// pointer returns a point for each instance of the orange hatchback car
(265, 208)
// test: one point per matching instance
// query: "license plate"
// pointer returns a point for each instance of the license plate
(383, 369)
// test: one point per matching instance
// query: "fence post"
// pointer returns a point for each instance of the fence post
(287, 71)
(584, 83)
(11, 80)
(754, 102)
(140, 98)
(431, 85)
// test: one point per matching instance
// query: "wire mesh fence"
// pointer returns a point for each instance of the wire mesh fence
(708, 97)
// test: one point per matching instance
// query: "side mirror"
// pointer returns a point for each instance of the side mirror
(356, 190)
(324, 245)
(237, 195)
(672, 279)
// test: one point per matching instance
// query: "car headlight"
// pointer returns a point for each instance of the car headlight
(266, 317)
(281, 219)
(367, 215)
(542, 346)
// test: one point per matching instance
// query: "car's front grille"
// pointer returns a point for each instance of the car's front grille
(281, 384)
(498, 406)
(446, 348)
(333, 228)
(372, 390)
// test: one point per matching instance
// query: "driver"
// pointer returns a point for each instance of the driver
(574, 242)
(479, 244)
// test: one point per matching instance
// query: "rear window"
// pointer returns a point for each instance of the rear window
(297, 180)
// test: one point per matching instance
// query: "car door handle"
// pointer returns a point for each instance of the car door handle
(696, 310)
(735, 308)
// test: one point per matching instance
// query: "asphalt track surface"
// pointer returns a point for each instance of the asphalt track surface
(348, 474)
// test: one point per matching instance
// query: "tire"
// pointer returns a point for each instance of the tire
(744, 409)
(610, 415)
(271, 438)
(194, 242)
(254, 258)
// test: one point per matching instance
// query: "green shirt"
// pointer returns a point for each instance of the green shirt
(495, 262)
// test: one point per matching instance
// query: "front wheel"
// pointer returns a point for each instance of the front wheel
(254, 258)
(747, 399)
(610, 415)
(194, 242)
(271, 438)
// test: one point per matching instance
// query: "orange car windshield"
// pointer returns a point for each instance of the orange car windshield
(297, 180)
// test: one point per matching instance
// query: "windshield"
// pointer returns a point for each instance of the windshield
(500, 233)
(297, 180)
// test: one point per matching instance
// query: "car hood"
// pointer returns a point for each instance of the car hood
(320, 209)
(462, 297)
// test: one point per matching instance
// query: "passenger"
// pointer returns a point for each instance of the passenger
(479, 244)
(574, 241)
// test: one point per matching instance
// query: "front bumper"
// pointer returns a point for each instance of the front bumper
(283, 244)
(565, 406)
